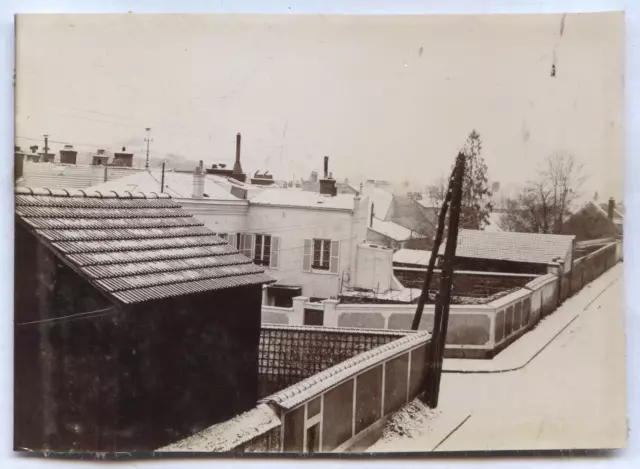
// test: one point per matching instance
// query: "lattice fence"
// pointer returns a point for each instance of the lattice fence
(289, 355)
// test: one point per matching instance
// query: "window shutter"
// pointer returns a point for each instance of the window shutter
(247, 245)
(306, 256)
(335, 257)
(241, 243)
(275, 252)
(232, 240)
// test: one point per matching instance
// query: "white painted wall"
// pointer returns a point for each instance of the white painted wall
(295, 225)
(219, 216)
(374, 268)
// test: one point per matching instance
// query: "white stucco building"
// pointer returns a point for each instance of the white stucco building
(308, 241)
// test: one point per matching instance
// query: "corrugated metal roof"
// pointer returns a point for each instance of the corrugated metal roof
(132, 246)
(533, 248)
(65, 176)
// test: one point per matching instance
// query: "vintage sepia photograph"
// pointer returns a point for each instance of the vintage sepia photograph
(314, 234)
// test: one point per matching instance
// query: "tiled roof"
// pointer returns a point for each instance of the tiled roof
(230, 434)
(69, 176)
(177, 185)
(391, 229)
(132, 246)
(303, 199)
(533, 248)
(309, 388)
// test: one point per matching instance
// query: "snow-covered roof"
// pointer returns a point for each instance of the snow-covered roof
(391, 229)
(177, 185)
(533, 248)
(69, 176)
(291, 198)
(404, 295)
(380, 199)
(426, 202)
(412, 256)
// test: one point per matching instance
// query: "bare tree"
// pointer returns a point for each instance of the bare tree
(546, 202)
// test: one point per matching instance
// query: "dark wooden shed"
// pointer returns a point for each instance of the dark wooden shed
(135, 325)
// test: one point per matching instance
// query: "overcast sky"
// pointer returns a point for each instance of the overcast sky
(384, 97)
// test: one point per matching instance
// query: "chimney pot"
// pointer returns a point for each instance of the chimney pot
(611, 208)
(326, 166)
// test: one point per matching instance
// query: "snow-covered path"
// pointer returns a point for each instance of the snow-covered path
(572, 395)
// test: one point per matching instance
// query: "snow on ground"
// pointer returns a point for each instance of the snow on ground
(570, 396)
(410, 422)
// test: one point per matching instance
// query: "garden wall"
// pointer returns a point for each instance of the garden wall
(342, 408)
(475, 331)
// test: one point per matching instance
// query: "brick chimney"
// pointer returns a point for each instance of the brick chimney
(198, 182)
(237, 173)
(68, 155)
(327, 183)
(18, 167)
(611, 208)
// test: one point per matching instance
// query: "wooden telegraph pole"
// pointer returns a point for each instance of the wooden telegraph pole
(424, 296)
(443, 298)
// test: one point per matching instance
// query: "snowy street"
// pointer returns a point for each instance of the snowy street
(571, 395)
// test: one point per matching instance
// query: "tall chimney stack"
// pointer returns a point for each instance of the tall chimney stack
(611, 208)
(198, 182)
(237, 173)
(327, 183)
(238, 144)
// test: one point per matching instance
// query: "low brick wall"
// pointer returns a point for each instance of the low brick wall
(465, 283)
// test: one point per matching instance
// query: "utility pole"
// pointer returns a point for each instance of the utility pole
(148, 140)
(441, 316)
(424, 296)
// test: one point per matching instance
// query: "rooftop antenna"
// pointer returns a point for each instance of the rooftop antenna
(148, 140)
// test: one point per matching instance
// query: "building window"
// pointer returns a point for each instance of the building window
(262, 250)
(321, 254)
(223, 236)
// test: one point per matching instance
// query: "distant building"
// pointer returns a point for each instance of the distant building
(513, 252)
(595, 221)
(134, 325)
